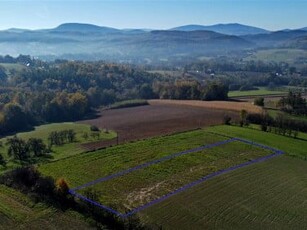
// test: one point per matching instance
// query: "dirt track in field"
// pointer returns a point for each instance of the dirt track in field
(154, 120)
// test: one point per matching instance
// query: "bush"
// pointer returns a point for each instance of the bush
(21, 178)
(226, 120)
(94, 128)
(62, 187)
(259, 101)
(2, 161)
(44, 187)
(243, 118)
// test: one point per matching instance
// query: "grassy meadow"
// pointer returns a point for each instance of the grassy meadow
(61, 151)
(268, 195)
(111, 160)
(291, 146)
(260, 92)
(17, 211)
(141, 186)
(265, 195)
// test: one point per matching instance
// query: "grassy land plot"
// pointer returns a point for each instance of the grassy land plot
(142, 186)
(260, 92)
(67, 149)
(17, 211)
(274, 113)
(86, 167)
(293, 147)
(269, 195)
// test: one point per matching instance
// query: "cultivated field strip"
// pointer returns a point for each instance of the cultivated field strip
(157, 119)
(121, 173)
(224, 105)
(143, 173)
(157, 180)
(87, 167)
(270, 195)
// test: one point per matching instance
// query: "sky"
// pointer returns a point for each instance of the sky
(153, 14)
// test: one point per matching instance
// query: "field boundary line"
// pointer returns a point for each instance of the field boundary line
(168, 157)
(276, 152)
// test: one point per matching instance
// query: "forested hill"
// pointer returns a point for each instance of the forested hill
(34, 92)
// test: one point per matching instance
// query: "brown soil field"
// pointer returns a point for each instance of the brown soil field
(163, 117)
(219, 105)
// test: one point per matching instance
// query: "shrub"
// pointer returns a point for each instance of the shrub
(94, 128)
(21, 178)
(44, 187)
(85, 136)
(2, 161)
(259, 101)
(243, 118)
(226, 119)
(62, 187)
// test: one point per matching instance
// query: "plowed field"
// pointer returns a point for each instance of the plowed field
(162, 118)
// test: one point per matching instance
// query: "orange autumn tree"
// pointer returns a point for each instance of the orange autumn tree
(62, 187)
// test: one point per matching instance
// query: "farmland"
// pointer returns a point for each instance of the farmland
(269, 195)
(293, 147)
(142, 186)
(18, 211)
(164, 117)
(260, 92)
(192, 206)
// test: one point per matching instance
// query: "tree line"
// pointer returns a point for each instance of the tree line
(293, 103)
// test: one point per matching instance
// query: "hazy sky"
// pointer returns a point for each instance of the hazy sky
(156, 14)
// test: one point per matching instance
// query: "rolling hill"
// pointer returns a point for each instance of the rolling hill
(274, 39)
(75, 41)
(92, 42)
(229, 29)
(80, 27)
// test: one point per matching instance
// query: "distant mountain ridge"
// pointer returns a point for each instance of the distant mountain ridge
(229, 29)
(83, 27)
(87, 41)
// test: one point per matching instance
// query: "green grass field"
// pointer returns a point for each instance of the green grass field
(58, 152)
(265, 195)
(262, 91)
(291, 146)
(142, 186)
(111, 160)
(274, 113)
(17, 211)
(269, 195)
